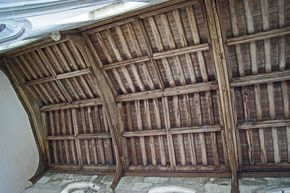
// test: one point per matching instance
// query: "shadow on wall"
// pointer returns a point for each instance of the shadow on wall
(19, 156)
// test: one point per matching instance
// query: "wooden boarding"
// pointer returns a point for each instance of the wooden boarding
(182, 88)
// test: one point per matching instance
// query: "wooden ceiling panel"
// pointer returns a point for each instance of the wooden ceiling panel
(183, 87)
(120, 49)
(255, 34)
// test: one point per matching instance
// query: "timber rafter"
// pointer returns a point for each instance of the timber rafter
(182, 87)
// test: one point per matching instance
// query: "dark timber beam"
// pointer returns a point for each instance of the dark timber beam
(30, 105)
(108, 99)
(222, 76)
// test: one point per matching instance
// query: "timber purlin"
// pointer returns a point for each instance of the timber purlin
(185, 88)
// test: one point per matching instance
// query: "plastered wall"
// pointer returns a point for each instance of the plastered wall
(18, 151)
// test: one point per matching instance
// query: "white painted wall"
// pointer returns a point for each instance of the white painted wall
(18, 151)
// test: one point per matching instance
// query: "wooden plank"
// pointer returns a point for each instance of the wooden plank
(27, 77)
(177, 117)
(265, 124)
(52, 72)
(110, 25)
(121, 118)
(127, 62)
(174, 131)
(196, 39)
(80, 136)
(140, 127)
(100, 142)
(64, 128)
(234, 22)
(268, 69)
(197, 169)
(160, 138)
(107, 142)
(150, 52)
(215, 33)
(251, 30)
(39, 81)
(160, 48)
(94, 136)
(119, 58)
(84, 130)
(201, 136)
(180, 51)
(71, 132)
(281, 19)
(212, 134)
(190, 137)
(277, 158)
(72, 62)
(249, 134)
(169, 136)
(137, 48)
(44, 122)
(178, 90)
(132, 140)
(129, 55)
(75, 104)
(39, 61)
(109, 58)
(165, 9)
(261, 78)
(58, 132)
(172, 45)
(52, 127)
(151, 138)
(253, 37)
(77, 141)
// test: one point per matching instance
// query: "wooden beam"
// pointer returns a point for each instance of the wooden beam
(39, 81)
(58, 77)
(172, 91)
(108, 98)
(94, 136)
(173, 131)
(79, 136)
(53, 73)
(126, 62)
(259, 36)
(222, 75)
(180, 51)
(261, 78)
(265, 124)
(144, 133)
(72, 168)
(178, 168)
(150, 53)
(158, 55)
(164, 9)
(75, 104)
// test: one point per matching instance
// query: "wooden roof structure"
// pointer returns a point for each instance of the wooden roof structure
(182, 88)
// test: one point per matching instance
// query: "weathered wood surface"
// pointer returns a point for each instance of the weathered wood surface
(182, 86)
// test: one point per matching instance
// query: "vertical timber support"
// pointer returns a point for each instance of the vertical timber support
(109, 103)
(30, 105)
(222, 75)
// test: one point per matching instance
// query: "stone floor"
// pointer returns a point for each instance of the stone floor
(56, 182)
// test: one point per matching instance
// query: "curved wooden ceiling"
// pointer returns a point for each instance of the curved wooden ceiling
(180, 87)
